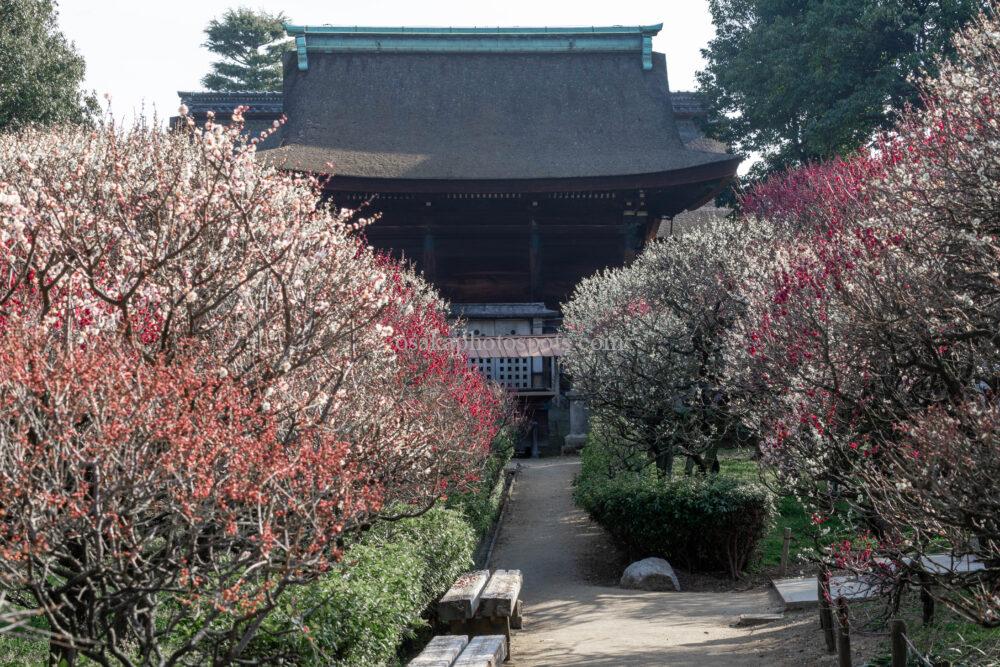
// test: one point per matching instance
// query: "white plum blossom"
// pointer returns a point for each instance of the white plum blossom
(646, 343)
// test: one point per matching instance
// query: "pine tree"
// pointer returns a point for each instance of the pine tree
(250, 45)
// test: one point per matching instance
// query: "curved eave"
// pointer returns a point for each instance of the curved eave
(723, 170)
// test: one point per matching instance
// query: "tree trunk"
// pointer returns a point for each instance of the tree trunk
(664, 458)
(61, 656)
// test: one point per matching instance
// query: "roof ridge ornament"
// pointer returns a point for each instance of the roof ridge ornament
(363, 39)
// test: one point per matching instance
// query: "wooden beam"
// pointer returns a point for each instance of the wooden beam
(501, 594)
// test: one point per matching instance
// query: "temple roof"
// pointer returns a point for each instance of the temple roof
(500, 310)
(481, 105)
(263, 108)
(259, 102)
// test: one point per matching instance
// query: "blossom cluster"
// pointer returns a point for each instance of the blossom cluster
(201, 394)
(849, 320)
(870, 362)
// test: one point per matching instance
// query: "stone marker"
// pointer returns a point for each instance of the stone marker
(750, 620)
(801, 592)
(462, 599)
(948, 564)
(500, 595)
(440, 651)
(578, 427)
(484, 651)
(650, 574)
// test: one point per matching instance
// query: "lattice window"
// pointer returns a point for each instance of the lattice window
(514, 372)
(485, 366)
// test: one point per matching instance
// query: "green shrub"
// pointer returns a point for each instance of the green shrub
(443, 540)
(707, 524)
(360, 612)
(480, 503)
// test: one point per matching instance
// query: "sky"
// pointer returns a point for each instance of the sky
(141, 52)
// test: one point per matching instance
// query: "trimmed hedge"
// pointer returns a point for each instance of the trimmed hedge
(706, 524)
(480, 503)
(362, 611)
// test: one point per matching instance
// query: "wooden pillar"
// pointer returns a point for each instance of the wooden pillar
(843, 634)
(534, 257)
(897, 638)
(429, 258)
(633, 234)
(786, 541)
(825, 610)
(926, 600)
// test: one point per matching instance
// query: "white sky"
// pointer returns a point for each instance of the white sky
(144, 51)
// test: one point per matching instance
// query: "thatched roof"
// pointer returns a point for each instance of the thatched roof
(503, 115)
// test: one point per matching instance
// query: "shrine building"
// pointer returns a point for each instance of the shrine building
(506, 163)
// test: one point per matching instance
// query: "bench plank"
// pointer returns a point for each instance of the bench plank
(484, 651)
(501, 593)
(462, 599)
(441, 651)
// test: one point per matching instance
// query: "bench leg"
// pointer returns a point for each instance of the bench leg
(503, 625)
(495, 625)
(484, 625)
(516, 619)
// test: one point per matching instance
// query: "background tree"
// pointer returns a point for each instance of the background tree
(645, 346)
(40, 71)
(799, 81)
(246, 41)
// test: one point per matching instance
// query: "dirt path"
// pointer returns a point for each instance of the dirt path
(575, 615)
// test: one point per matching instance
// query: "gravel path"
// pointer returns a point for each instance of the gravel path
(575, 615)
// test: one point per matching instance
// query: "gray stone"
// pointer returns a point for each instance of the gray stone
(650, 574)
(578, 426)
(572, 444)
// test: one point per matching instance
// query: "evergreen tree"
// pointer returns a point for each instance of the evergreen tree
(803, 80)
(40, 70)
(249, 43)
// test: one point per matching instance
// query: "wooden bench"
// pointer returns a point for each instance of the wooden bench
(442, 651)
(458, 651)
(481, 604)
(461, 601)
